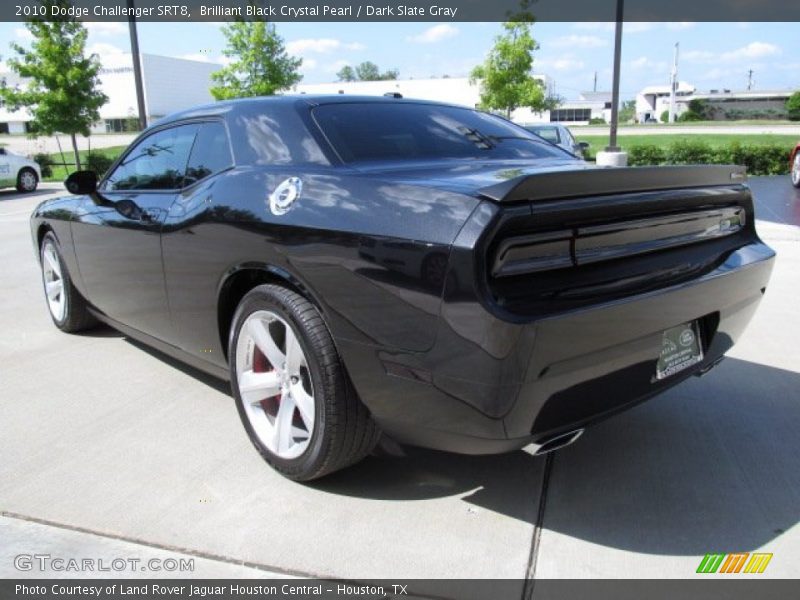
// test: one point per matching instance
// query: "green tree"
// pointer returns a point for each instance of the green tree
(793, 106)
(369, 71)
(505, 76)
(346, 73)
(61, 82)
(627, 112)
(260, 64)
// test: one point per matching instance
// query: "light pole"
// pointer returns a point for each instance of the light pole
(137, 67)
(613, 155)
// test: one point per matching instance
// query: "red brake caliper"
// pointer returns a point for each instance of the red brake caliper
(262, 365)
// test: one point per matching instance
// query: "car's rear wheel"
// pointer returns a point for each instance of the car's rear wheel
(292, 392)
(67, 307)
(27, 180)
(796, 170)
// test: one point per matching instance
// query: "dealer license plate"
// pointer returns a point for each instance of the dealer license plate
(681, 348)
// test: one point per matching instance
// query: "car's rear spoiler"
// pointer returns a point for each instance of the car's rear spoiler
(553, 185)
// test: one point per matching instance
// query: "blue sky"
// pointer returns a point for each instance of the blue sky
(713, 55)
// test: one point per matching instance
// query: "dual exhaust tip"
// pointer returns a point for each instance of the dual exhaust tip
(557, 441)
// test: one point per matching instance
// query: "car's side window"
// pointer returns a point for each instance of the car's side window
(211, 153)
(158, 162)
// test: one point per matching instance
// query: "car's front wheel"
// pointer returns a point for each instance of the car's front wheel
(292, 392)
(67, 307)
(27, 180)
(796, 170)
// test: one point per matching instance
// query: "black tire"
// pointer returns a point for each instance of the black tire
(344, 432)
(76, 316)
(21, 186)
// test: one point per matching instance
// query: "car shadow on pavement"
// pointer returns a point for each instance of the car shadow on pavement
(713, 463)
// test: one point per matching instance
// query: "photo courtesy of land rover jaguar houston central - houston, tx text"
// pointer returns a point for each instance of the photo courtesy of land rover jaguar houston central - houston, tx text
(373, 270)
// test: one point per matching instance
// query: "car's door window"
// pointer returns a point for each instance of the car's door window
(158, 162)
(211, 153)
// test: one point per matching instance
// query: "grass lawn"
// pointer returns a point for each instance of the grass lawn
(598, 143)
(60, 172)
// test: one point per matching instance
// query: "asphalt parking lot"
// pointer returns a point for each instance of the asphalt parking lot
(109, 449)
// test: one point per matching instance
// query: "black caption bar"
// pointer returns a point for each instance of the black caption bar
(405, 10)
(710, 588)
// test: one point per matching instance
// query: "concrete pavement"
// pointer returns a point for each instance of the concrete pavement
(100, 434)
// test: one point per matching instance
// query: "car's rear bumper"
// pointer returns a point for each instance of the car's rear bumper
(490, 386)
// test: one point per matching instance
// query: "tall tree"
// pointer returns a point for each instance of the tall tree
(505, 77)
(260, 65)
(346, 73)
(60, 83)
(366, 71)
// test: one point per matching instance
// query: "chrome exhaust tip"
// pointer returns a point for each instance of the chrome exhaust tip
(558, 441)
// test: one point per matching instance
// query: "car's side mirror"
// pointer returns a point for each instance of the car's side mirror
(81, 182)
(583, 145)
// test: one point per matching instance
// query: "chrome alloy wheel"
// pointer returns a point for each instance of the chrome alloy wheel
(275, 384)
(27, 181)
(53, 281)
(796, 170)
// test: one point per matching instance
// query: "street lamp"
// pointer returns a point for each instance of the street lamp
(137, 67)
(613, 155)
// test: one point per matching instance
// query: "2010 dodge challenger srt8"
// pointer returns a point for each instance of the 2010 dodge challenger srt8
(359, 267)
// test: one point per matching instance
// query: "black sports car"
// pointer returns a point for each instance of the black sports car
(360, 267)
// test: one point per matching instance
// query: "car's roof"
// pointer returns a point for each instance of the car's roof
(227, 106)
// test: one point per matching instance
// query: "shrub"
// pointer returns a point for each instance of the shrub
(646, 154)
(793, 106)
(99, 163)
(690, 116)
(759, 159)
(665, 116)
(688, 152)
(45, 163)
(597, 121)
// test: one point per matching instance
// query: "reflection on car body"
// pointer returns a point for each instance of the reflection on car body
(429, 273)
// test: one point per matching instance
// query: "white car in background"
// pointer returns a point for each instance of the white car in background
(18, 171)
(560, 136)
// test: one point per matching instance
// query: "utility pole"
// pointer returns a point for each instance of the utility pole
(137, 68)
(750, 80)
(613, 156)
(595, 82)
(673, 85)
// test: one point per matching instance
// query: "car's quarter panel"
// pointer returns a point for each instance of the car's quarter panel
(360, 247)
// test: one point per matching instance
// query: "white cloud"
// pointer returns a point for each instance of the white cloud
(578, 41)
(336, 66)
(320, 46)
(23, 34)
(106, 28)
(643, 62)
(680, 25)
(309, 64)
(206, 58)
(566, 63)
(637, 27)
(434, 34)
(102, 49)
(698, 56)
(752, 50)
(594, 26)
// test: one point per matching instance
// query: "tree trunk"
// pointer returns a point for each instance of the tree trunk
(75, 150)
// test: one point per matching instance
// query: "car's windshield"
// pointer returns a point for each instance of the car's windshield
(396, 131)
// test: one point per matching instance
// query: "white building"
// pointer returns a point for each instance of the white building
(459, 90)
(653, 100)
(169, 84)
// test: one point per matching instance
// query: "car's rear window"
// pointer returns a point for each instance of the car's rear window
(397, 131)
